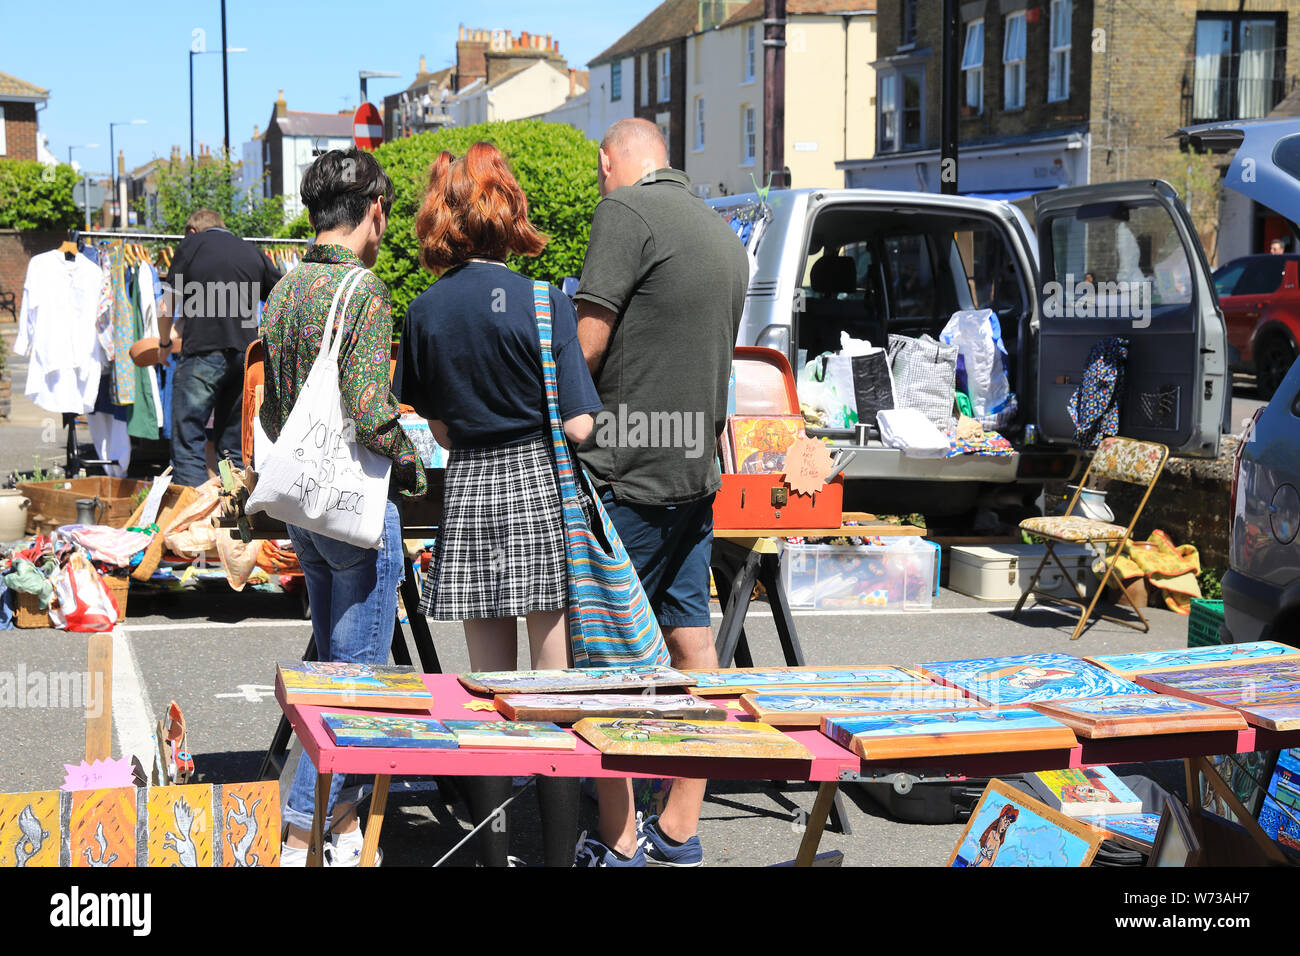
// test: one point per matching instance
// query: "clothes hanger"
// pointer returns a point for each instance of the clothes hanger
(69, 246)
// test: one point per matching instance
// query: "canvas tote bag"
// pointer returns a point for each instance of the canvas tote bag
(610, 619)
(316, 476)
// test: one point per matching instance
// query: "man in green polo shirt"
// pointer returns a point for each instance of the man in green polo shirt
(659, 308)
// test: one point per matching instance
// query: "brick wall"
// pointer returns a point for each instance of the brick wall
(20, 130)
(16, 249)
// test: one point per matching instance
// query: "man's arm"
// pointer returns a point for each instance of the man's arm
(595, 326)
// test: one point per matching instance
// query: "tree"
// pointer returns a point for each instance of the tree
(1198, 178)
(185, 187)
(34, 196)
(555, 165)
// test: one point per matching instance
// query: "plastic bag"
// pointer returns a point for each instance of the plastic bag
(925, 373)
(826, 383)
(873, 385)
(981, 362)
(912, 433)
(85, 605)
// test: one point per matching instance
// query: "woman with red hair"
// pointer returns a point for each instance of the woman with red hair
(472, 365)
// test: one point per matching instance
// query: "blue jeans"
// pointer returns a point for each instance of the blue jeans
(353, 594)
(209, 383)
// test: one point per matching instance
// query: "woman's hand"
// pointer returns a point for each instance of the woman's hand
(440, 435)
(579, 428)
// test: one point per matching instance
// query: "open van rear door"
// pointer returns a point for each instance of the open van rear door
(1123, 259)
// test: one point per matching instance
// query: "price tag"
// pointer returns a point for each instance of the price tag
(807, 464)
(100, 775)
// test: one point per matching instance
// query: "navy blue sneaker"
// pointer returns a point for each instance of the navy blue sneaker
(660, 852)
(591, 852)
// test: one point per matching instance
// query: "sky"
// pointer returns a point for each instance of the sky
(107, 63)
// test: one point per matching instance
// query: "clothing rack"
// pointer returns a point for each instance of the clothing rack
(169, 237)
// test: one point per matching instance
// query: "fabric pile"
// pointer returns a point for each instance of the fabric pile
(1171, 569)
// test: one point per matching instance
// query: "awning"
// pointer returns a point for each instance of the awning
(1008, 195)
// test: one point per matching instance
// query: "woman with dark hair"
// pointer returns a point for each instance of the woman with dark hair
(471, 364)
(352, 590)
(994, 835)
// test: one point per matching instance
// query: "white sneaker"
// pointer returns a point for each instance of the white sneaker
(345, 849)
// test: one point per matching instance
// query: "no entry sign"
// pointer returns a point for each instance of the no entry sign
(367, 127)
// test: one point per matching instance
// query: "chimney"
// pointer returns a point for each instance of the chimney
(281, 107)
(524, 39)
(461, 36)
(424, 66)
(573, 82)
(121, 164)
(548, 41)
(256, 133)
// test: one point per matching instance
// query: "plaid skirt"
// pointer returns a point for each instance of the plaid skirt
(500, 550)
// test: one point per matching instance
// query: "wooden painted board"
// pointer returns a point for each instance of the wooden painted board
(102, 828)
(180, 826)
(388, 730)
(342, 684)
(1137, 715)
(1137, 831)
(902, 736)
(1273, 716)
(511, 734)
(1010, 681)
(29, 829)
(249, 817)
(1188, 658)
(1268, 683)
(806, 709)
(574, 680)
(568, 708)
(1084, 791)
(731, 681)
(1011, 829)
(641, 737)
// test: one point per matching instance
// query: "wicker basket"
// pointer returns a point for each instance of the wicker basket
(28, 611)
(120, 588)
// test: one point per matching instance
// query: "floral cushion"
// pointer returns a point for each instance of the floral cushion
(1073, 528)
(1127, 460)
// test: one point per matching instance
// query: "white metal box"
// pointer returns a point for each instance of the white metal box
(1001, 572)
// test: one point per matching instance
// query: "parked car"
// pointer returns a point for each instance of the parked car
(1261, 590)
(1260, 297)
(872, 263)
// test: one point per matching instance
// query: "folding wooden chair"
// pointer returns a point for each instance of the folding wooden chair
(1120, 459)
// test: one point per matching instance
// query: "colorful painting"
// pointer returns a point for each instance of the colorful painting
(432, 455)
(248, 816)
(737, 680)
(643, 737)
(807, 709)
(1267, 683)
(1006, 681)
(1280, 814)
(1011, 829)
(1130, 715)
(29, 829)
(1083, 791)
(1192, 657)
(511, 734)
(1134, 830)
(574, 680)
(101, 828)
(374, 730)
(180, 826)
(894, 736)
(1273, 716)
(567, 708)
(759, 442)
(343, 684)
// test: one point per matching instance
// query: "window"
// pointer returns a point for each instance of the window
(751, 54)
(664, 122)
(748, 135)
(1238, 67)
(1013, 62)
(888, 100)
(1262, 276)
(699, 122)
(913, 98)
(972, 65)
(616, 81)
(1058, 62)
(645, 79)
(665, 75)
(907, 35)
(2, 131)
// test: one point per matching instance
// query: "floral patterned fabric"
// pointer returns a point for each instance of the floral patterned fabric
(1073, 528)
(1127, 460)
(291, 335)
(1094, 407)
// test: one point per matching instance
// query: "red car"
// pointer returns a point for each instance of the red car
(1260, 296)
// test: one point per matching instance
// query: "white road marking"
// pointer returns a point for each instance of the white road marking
(717, 615)
(133, 718)
(215, 626)
(252, 693)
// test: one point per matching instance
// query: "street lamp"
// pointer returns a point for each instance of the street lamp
(364, 75)
(193, 54)
(113, 165)
(82, 146)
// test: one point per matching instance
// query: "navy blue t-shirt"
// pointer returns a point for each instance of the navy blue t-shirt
(471, 357)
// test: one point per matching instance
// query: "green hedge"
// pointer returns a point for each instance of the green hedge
(556, 168)
(33, 196)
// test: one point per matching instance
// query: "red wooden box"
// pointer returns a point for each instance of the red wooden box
(765, 386)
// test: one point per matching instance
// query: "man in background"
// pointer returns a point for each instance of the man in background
(1277, 247)
(659, 306)
(214, 287)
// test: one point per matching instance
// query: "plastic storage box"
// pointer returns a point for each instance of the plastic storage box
(1002, 572)
(898, 576)
(1203, 622)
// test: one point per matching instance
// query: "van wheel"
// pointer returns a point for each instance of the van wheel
(1273, 359)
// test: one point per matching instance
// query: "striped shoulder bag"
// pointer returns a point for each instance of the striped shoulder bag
(610, 619)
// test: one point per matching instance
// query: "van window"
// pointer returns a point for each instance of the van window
(911, 278)
(1225, 279)
(1261, 276)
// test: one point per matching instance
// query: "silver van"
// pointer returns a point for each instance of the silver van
(872, 263)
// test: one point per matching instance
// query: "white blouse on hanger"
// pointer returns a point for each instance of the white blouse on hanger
(56, 330)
